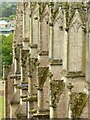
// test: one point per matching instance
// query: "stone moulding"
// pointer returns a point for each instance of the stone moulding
(55, 62)
(30, 98)
(33, 46)
(15, 76)
(43, 53)
(23, 86)
(42, 114)
(75, 74)
(23, 96)
(78, 102)
(57, 88)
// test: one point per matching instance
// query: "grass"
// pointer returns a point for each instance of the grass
(1, 107)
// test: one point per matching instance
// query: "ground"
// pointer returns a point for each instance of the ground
(1, 99)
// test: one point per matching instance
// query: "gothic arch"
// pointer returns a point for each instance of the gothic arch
(76, 44)
(44, 33)
(58, 37)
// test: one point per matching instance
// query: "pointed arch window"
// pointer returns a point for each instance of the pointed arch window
(75, 46)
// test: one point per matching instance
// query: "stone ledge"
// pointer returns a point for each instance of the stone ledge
(43, 53)
(23, 86)
(30, 99)
(17, 76)
(75, 74)
(41, 114)
(55, 62)
(33, 46)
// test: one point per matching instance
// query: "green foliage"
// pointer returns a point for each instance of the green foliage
(12, 17)
(7, 9)
(7, 49)
(1, 107)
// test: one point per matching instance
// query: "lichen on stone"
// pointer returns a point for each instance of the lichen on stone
(42, 75)
(56, 87)
(78, 102)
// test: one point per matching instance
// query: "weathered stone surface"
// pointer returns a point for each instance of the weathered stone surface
(50, 50)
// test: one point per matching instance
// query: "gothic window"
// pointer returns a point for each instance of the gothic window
(58, 40)
(26, 23)
(35, 28)
(76, 45)
(44, 32)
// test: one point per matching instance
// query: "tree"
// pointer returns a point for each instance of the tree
(7, 49)
(7, 9)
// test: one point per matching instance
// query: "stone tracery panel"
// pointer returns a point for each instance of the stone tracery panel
(76, 45)
(35, 26)
(58, 39)
(26, 21)
(44, 34)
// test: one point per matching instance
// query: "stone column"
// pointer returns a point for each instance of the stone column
(53, 110)
(70, 86)
(51, 34)
(40, 99)
(65, 43)
(56, 89)
(88, 61)
(42, 75)
(26, 26)
(88, 38)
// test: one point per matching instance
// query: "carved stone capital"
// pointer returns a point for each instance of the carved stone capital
(57, 88)
(17, 52)
(42, 75)
(78, 102)
(24, 57)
